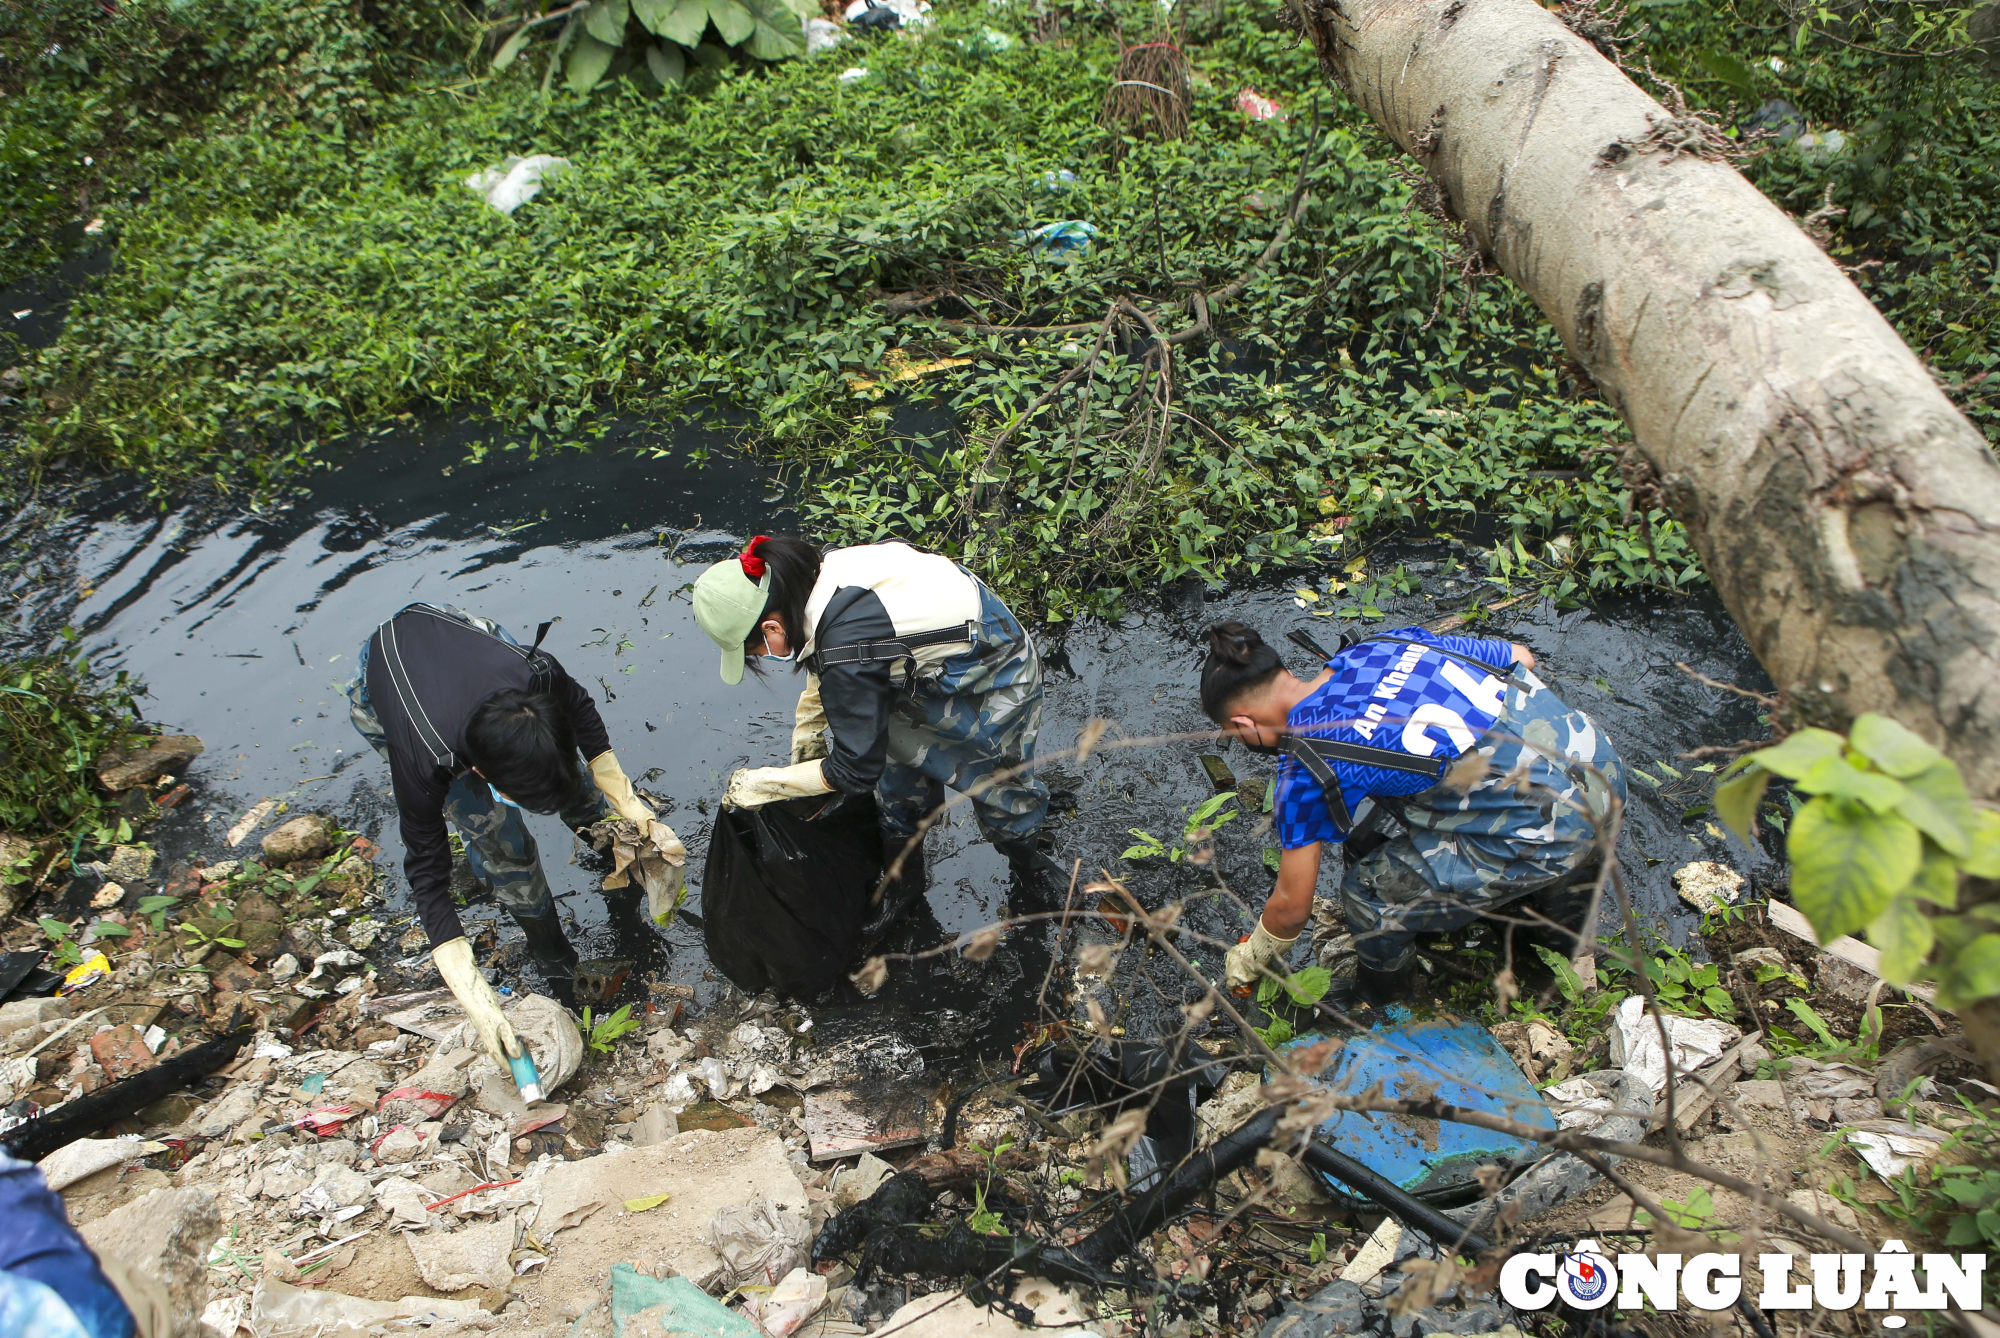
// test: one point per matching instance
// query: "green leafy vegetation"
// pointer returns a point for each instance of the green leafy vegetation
(56, 720)
(1955, 1200)
(604, 1032)
(654, 40)
(280, 286)
(304, 261)
(1882, 846)
(984, 1220)
(90, 94)
(1202, 821)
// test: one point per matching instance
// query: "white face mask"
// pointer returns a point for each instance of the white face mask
(781, 659)
(503, 798)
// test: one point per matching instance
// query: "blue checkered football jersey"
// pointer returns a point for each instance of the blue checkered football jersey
(1389, 695)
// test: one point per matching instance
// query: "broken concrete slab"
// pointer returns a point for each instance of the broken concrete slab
(699, 1170)
(164, 1238)
(1760, 1094)
(308, 836)
(129, 768)
(280, 1310)
(654, 1127)
(24, 1013)
(404, 1200)
(472, 1256)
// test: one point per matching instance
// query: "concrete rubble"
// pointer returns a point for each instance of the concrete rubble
(361, 1166)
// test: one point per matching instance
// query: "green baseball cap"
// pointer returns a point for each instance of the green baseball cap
(727, 604)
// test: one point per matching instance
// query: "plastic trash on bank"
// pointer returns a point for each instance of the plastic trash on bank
(823, 35)
(883, 15)
(1457, 1062)
(516, 180)
(1258, 107)
(1061, 242)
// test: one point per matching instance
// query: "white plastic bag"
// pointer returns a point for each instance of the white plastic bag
(759, 1244)
(516, 180)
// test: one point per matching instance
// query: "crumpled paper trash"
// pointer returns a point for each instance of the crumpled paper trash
(760, 1244)
(1586, 1107)
(1890, 1148)
(1635, 1042)
(647, 862)
(516, 180)
(791, 1303)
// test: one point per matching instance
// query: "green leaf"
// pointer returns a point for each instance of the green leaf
(53, 927)
(1936, 801)
(1840, 778)
(1567, 980)
(1736, 800)
(1847, 862)
(1798, 752)
(512, 47)
(682, 21)
(1728, 69)
(111, 929)
(1975, 974)
(1891, 747)
(588, 60)
(1937, 879)
(733, 23)
(1309, 986)
(1207, 809)
(667, 64)
(1804, 1012)
(1903, 934)
(228, 942)
(1983, 861)
(605, 20)
(1718, 1002)
(780, 33)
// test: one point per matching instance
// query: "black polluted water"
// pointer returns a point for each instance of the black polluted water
(245, 630)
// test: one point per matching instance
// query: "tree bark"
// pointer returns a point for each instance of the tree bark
(1846, 511)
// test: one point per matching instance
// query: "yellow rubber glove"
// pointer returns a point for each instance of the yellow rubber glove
(809, 724)
(1245, 964)
(627, 804)
(482, 1006)
(753, 787)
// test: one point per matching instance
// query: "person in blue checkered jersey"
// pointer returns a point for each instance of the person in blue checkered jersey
(1456, 780)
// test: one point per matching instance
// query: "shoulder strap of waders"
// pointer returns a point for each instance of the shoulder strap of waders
(897, 648)
(1317, 756)
(541, 674)
(1469, 661)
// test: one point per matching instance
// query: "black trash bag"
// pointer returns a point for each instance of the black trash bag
(786, 891)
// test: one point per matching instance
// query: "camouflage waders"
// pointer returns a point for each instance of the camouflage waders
(962, 721)
(1460, 856)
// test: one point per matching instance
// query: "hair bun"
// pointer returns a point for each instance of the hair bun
(1234, 642)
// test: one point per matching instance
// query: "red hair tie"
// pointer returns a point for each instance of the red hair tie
(754, 566)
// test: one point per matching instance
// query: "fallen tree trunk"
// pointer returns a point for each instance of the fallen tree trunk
(1847, 513)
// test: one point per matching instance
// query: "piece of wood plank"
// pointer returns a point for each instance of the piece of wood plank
(865, 1116)
(1847, 948)
(1696, 1094)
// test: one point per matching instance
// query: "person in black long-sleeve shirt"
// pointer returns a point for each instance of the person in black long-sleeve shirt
(477, 729)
